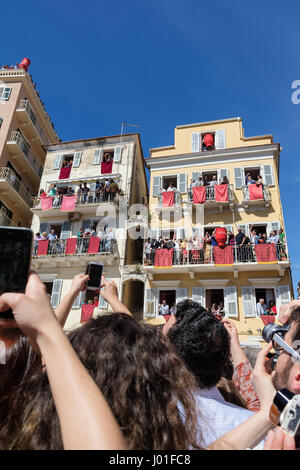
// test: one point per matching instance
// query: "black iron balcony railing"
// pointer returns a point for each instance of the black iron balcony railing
(9, 176)
(210, 193)
(5, 221)
(93, 197)
(57, 247)
(191, 256)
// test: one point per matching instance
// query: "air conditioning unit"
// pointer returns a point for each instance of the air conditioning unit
(74, 216)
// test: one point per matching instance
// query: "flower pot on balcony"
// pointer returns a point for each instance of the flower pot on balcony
(221, 236)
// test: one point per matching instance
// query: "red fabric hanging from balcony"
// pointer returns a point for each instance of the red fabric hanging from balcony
(266, 253)
(267, 319)
(43, 247)
(106, 167)
(163, 258)
(71, 246)
(221, 192)
(65, 172)
(223, 256)
(87, 311)
(68, 203)
(46, 203)
(168, 199)
(93, 245)
(255, 192)
(199, 195)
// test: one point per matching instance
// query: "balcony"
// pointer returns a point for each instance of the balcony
(10, 185)
(28, 118)
(19, 149)
(5, 221)
(58, 255)
(161, 207)
(210, 198)
(264, 201)
(240, 258)
(84, 204)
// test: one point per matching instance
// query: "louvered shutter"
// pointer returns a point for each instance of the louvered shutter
(97, 156)
(195, 141)
(230, 302)
(274, 226)
(6, 94)
(156, 185)
(220, 142)
(77, 159)
(181, 294)
(102, 303)
(66, 230)
(57, 161)
(268, 175)
(56, 291)
(239, 178)
(198, 295)
(151, 302)
(222, 173)
(78, 301)
(118, 154)
(182, 182)
(283, 296)
(196, 174)
(249, 305)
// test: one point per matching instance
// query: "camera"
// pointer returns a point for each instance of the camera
(271, 332)
(285, 411)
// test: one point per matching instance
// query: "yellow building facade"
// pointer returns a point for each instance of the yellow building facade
(239, 285)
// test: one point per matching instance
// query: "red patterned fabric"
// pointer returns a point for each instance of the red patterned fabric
(195, 254)
(266, 253)
(168, 199)
(46, 203)
(87, 311)
(199, 195)
(68, 203)
(163, 258)
(255, 192)
(93, 245)
(221, 192)
(43, 247)
(267, 319)
(65, 172)
(106, 167)
(243, 374)
(223, 255)
(71, 246)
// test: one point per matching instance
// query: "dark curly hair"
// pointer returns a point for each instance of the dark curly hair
(203, 343)
(146, 385)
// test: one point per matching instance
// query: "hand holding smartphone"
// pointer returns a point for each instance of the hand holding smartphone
(15, 260)
(95, 271)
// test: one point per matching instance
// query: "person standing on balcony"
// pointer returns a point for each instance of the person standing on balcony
(171, 188)
(164, 308)
(80, 194)
(52, 235)
(214, 181)
(176, 252)
(110, 235)
(225, 180)
(250, 180)
(199, 182)
(261, 307)
(259, 181)
(85, 193)
(231, 239)
(70, 191)
(52, 191)
(254, 238)
(207, 252)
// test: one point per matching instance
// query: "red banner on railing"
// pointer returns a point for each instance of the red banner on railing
(68, 203)
(199, 195)
(43, 247)
(71, 246)
(168, 199)
(106, 167)
(221, 192)
(87, 311)
(93, 245)
(46, 203)
(163, 258)
(255, 192)
(267, 319)
(266, 253)
(65, 172)
(223, 256)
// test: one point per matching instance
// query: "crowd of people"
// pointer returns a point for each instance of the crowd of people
(199, 249)
(164, 309)
(103, 192)
(57, 245)
(130, 385)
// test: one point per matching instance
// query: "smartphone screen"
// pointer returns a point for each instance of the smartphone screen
(15, 258)
(95, 271)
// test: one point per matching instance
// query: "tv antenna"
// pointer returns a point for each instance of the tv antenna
(124, 125)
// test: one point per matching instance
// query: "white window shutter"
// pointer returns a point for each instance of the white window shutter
(220, 142)
(182, 182)
(6, 94)
(195, 141)
(156, 185)
(230, 302)
(57, 161)
(198, 295)
(56, 290)
(222, 173)
(283, 296)
(97, 156)
(249, 304)
(78, 301)
(274, 225)
(239, 178)
(268, 176)
(77, 159)
(151, 302)
(118, 154)
(195, 175)
(181, 294)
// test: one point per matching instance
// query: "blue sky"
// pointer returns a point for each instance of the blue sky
(163, 63)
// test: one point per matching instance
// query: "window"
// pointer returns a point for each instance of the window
(266, 171)
(5, 93)
(166, 180)
(215, 140)
(268, 294)
(207, 141)
(213, 296)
